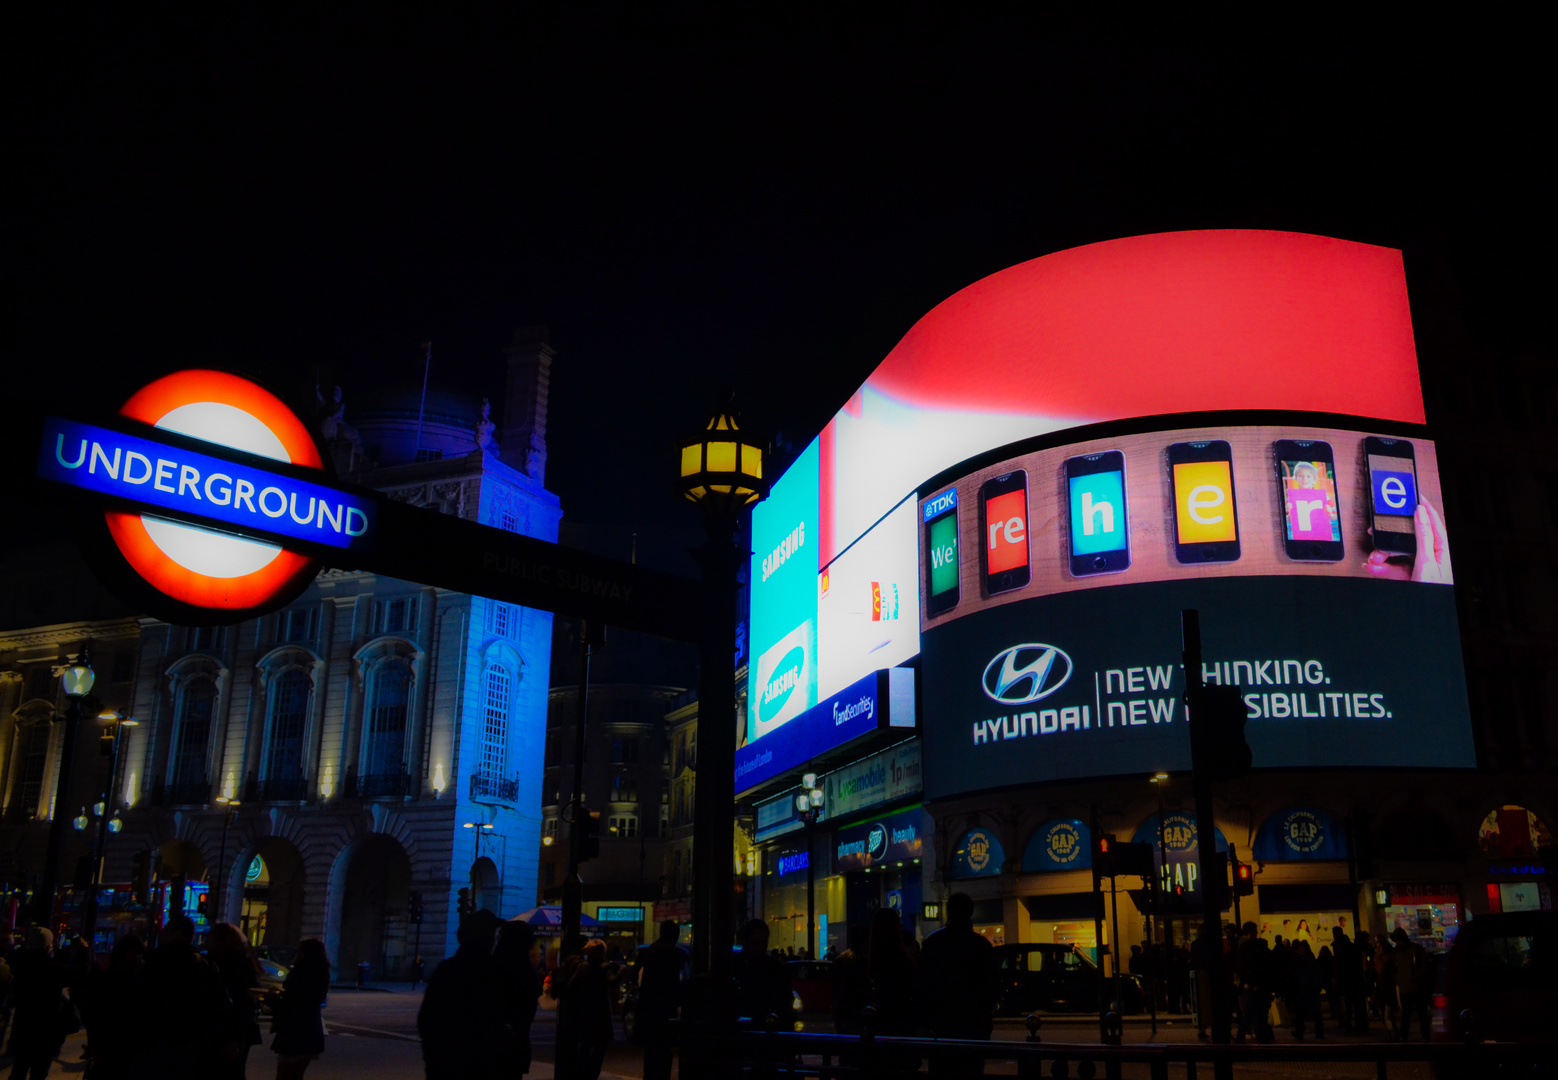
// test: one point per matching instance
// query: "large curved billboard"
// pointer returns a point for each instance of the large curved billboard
(1237, 340)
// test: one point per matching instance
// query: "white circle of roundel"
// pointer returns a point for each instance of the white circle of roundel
(225, 425)
(206, 551)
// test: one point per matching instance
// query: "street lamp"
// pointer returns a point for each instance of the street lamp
(230, 811)
(107, 817)
(76, 679)
(483, 828)
(722, 473)
(808, 804)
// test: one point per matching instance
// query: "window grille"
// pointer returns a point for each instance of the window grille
(495, 731)
(387, 721)
(289, 715)
(500, 619)
(510, 521)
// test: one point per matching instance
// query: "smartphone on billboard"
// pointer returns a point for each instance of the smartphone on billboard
(1392, 467)
(1100, 533)
(1003, 525)
(942, 589)
(1306, 485)
(1206, 514)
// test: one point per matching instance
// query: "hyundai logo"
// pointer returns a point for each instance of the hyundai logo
(1026, 673)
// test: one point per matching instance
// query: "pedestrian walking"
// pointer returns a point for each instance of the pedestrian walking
(851, 981)
(659, 998)
(239, 969)
(1252, 967)
(189, 1006)
(958, 987)
(118, 1013)
(1303, 990)
(299, 1027)
(583, 1018)
(1346, 980)
(1364, 985)
(762, 988)
(893, 980)
(1409, 970)
(462, 1015)
(40, 1015)
(516, 964)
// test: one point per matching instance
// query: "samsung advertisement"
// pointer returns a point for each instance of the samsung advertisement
(1057, 460)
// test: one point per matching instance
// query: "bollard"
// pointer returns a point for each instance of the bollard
(1031, 1066)
(362, 974)
(1114, 1029)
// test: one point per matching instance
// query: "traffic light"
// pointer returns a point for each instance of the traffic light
(1217, 734)
(1103, 855)
(463, 904)
(415, 914)
(140, 877)
(1243, 878)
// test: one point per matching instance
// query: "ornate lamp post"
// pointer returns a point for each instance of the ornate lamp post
(809, 804)
(107, 814)
(76, 679)
(722, 474)
(230, 813)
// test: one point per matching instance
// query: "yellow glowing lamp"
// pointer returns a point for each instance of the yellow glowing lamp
(719, 469)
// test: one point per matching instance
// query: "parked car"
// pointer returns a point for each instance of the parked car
(272, 976)
(812, 981)
(1501, 975)
(1059, 978)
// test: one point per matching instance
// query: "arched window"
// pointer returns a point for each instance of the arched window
(33, 752)
(387, 710)
(288, 717)
(192, 739)
(495, 730)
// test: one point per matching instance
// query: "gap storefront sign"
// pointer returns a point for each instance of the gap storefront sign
(887, 840)
(1299, 834)
(1178, 859)
(884, 699)
(1060, 844)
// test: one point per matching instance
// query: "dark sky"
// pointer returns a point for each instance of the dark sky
(697, 198)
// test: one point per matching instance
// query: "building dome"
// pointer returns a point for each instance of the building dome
(387, 421)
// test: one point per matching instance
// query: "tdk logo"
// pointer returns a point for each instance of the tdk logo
(1026, 673)
(941, 504)
(876, 841)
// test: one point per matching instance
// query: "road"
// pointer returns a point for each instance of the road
(372, 1036)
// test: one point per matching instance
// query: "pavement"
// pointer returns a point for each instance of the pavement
(371, 1035)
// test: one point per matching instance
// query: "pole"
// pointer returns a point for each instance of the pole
(811, 890)
(713, 811)
(1098, 930)
(1114, 940)
(1206, 843)
(427, 364)
(43, 903)
(221, 863)
(573, 886)
(1160, 887)
(89, 912)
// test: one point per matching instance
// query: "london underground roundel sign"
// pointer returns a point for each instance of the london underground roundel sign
(218, 505)
(199, 566)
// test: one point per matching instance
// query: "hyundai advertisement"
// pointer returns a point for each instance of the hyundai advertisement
(998, 456)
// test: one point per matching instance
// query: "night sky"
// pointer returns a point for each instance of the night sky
(764, 200)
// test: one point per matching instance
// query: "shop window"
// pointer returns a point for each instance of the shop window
(395, 616)
(500, 619)
(1513, 832)
(549, 828)
(623, 828)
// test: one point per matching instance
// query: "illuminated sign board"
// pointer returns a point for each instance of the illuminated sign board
(620, 914)
(896, 838)
(883, 699)
(185, 481)
(1227, 420)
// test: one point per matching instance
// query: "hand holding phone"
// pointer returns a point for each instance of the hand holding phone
(1392, 468)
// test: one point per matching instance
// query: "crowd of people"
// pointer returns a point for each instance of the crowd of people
(168, 1012)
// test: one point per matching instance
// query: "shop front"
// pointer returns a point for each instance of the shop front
(879, 860)
(1518, 849)
(623, 925)
(1429, 913)
(1302, 886)
(1060, 855)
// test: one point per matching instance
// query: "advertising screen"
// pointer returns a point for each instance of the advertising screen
(1345, 648)
(1224, 322)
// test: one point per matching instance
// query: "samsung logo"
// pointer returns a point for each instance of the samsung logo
(783, 550)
